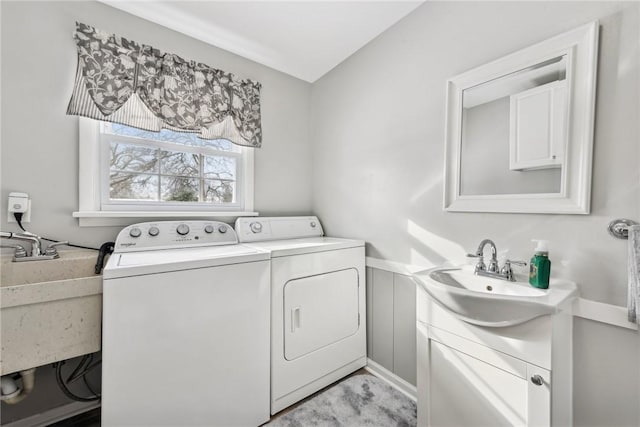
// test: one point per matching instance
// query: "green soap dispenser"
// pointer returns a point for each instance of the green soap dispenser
(540, 267)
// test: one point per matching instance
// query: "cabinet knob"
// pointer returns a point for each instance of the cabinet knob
(537, 380)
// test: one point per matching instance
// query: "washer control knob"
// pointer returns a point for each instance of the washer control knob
(222, 229)
(313, 224)
(182, 229)
(256, 227)
(135, 232)
(154, 231)
(208, 229)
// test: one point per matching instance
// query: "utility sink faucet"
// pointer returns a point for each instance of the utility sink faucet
(493, 269)
(36, 247)
(27, 237)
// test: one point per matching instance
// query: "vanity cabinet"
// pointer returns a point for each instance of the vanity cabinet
(472, 375)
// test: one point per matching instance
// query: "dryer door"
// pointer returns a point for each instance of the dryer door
(319, 310)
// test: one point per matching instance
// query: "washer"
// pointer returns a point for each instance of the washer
(185, 328)
(318, 331)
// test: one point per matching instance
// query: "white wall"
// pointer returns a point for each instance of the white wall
(40, 142)
(378, 138)
(39, 150)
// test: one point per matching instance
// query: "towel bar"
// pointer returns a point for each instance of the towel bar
(618, 228)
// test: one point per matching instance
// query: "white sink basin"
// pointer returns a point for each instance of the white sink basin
(486, 301)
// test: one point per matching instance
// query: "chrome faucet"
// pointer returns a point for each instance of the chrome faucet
(493, 264)
(493, 270)
(36, 247)
(506, 271)
(20, 251)
(27, 237)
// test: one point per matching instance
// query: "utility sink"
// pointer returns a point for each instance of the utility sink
(486, 301)
(49, 310)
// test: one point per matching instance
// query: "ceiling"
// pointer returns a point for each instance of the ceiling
(302, 38)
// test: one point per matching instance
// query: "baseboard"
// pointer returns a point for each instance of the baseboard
(395, 381)
(54, 415)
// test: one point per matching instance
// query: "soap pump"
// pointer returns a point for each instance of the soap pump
(540, 267)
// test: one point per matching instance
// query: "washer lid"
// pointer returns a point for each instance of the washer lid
(160, 261)
(280, 248)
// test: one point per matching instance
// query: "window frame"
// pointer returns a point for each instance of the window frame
(93, 186)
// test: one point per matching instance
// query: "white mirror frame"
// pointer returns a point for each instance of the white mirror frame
(581, 47)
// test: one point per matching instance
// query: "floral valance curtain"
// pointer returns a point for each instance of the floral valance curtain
(121, 81)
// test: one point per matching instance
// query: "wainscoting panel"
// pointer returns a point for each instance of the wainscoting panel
(369, 311)
(382, 314)
(404, 328)
(391, 322)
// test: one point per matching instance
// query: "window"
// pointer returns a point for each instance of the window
(128, 170)
(167, 168)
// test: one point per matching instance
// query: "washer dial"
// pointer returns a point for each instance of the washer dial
(182, 229)
(256, 227)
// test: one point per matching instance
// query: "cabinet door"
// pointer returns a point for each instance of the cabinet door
(537, 130)
(463, 390)
(538, 396)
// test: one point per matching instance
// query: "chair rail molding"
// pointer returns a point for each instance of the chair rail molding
(584, 308)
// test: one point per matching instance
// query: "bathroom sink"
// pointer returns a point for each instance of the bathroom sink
(491, 302)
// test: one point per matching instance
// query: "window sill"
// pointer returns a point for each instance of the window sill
(115, 218)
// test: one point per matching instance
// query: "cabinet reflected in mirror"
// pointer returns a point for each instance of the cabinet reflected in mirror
(514, 132)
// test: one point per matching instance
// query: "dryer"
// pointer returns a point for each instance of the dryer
(318, 331)
(185, 328)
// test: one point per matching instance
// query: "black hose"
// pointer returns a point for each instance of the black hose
(80, 370)
(70, 244)
(106, 248)
(69, 393)
(18, 217)
(86, 383)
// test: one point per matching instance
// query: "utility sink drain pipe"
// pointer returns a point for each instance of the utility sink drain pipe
(11, 393)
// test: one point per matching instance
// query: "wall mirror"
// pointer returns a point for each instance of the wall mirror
(519, 130)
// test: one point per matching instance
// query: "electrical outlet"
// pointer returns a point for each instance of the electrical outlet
(19, 202)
